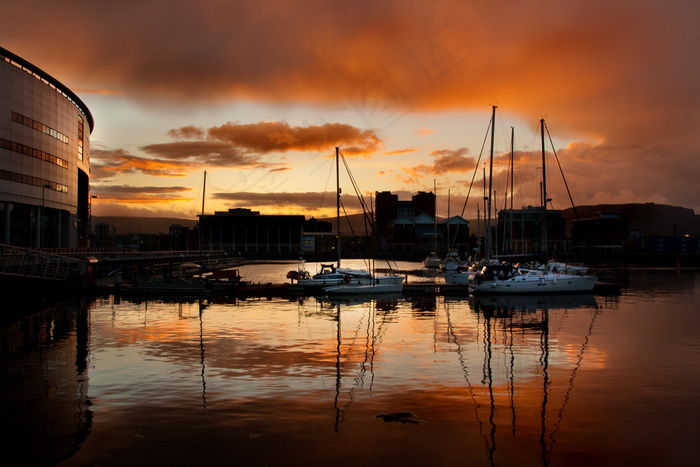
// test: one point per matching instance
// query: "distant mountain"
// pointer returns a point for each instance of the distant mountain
(143, 225)
(648, 218)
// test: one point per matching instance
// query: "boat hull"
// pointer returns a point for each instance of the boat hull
(364, 289)
(347, 279)
(540, 284)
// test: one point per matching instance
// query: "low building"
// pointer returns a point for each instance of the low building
(246, 232)
(605, 231)
(521, 231)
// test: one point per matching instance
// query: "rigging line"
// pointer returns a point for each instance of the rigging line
(363, 204)
(465, 369)
(361, 198)
(365, 211)
(325, 188)
(574, 372)
(562, 171)
(352, 231)
(371, 325)
(471, 184)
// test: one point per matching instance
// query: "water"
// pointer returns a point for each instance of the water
(568, 380)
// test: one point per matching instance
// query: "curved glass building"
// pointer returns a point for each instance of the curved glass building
(44, 159)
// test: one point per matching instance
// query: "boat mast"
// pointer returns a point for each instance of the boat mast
(512, 169)
(485, 199)
(204, 191)
(544, 194)
(508, 215)
(201, 231)
(447, 245)
(337, 185)
(435, 218)
(488, 221)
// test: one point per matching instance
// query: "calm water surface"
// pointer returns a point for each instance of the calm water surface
(566, 380)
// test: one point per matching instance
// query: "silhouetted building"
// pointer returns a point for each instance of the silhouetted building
(102, 239)
(605, 230)
(179, 237)
(685, 244)
(386, 210)
(44, 158)
(424, 203)
(520, 231)
(248, 232)
(410, 228)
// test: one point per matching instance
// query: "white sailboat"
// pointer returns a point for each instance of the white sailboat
(506, 278)
(338, 280)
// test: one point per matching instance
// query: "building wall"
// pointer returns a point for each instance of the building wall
(519, 231)
(252, 233)
(44, 159)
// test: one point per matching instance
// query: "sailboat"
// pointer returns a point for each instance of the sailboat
(506, 278)
(377, 284)
(336, 279)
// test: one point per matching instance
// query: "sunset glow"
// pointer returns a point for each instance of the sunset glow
(260, 97)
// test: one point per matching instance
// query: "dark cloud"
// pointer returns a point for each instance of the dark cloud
(621, 76)
(290, 202)
(140, 195)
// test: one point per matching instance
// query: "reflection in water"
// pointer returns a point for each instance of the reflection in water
(430, 380)
(44, 384)
(529, 315)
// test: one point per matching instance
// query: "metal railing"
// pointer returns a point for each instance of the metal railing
(37, 264)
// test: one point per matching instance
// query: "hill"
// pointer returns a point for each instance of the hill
(647, 218)
(143, 225)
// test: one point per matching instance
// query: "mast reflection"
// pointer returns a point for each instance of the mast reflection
(519, 345)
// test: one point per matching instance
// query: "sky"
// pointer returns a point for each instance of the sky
(259, 95)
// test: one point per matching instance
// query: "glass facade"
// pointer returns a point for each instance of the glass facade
(44, 159)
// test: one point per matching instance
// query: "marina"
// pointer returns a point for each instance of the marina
(571, 379)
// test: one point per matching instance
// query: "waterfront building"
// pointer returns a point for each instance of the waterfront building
(605, 232)
(520, 231)
(249, 232)
(44, 159)
(410, 228)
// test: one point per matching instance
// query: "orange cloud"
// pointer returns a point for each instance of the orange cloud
(626, 81)
(139, 195)
(265, 137)
(452, 161)
(107, 164)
